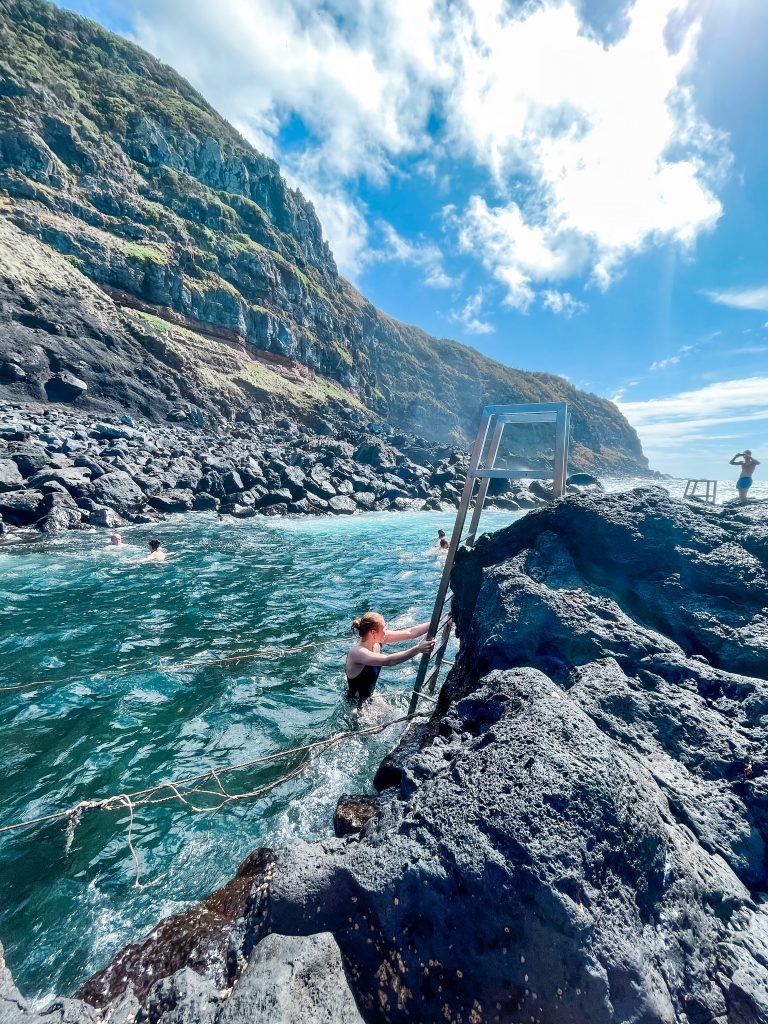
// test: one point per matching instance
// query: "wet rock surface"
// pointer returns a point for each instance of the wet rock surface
(577, 834)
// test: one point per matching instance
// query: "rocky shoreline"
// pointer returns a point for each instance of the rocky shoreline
(62, 469)
(578, 833)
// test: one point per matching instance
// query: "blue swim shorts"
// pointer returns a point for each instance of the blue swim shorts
(743, 483)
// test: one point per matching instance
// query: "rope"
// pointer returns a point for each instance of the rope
(142, 797)
(265, 652)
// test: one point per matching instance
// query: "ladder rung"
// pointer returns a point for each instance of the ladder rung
(426, 696)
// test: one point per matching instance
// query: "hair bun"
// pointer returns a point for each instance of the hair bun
(356, 625)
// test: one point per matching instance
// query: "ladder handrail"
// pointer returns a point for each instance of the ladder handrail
(453, 546)
(556, 412)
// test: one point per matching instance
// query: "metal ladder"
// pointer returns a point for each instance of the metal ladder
(481, 470)
(710, 494)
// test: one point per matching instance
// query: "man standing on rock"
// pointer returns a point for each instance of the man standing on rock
(747, 464)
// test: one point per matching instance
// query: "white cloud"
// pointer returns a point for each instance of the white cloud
(469, 315)
(746, 350)
(662, 364)
(562, 302)
(713, 400)
(667, 423)
(592, 147)
(424, 255)
(742, 298)
(604, 136)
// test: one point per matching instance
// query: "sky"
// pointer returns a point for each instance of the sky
(574, 186)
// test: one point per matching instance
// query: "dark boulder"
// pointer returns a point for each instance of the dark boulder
(61, 517)
(118, 490)
(342, 504)
(541, 490)
(300, 507)
(293, 479)
(365, 499)
(374, 453)
(173, 500)
(20, 508)
(280, 496)
(11, 478)
(64, 387)
(584, 480)
(56, 499)
(205, 502)
(116, 430)
(353, 813)
(232, 482)
(211, 483)
(105, 517)
(11, 373)
(72, 478)
(96, 469)
(30, 460)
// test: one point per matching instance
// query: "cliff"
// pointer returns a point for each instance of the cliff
(578, 833)
(112, 160)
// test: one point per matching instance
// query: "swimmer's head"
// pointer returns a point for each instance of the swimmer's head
(746, 452)
(154, 545)
(371, 622)
(116, 539)
(441, 534)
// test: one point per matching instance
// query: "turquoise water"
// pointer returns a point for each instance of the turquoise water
(72, 608)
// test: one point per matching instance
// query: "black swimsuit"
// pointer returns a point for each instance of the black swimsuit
(364, 684)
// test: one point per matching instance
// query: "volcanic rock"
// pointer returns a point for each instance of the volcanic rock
(174, 500)
(64, 387)
(118, 490)
(20, 508)
(10, 477)
(578, 833)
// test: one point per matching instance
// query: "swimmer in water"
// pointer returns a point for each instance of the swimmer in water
(115, 542)
(156, 553)
(365, 660)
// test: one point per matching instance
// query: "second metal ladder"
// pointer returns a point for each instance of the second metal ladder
(481, 470)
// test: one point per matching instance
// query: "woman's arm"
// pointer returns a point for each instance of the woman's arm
(362, 656)
(392, 636)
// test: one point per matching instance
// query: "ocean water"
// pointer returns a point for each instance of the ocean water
(74, 611)
(127, 710)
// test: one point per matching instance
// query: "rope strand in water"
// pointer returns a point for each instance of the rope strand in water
(141, 797)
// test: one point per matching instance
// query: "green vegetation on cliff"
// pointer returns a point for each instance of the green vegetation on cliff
(115, 161)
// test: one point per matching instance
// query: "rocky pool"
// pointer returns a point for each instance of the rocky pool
(123, 714)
